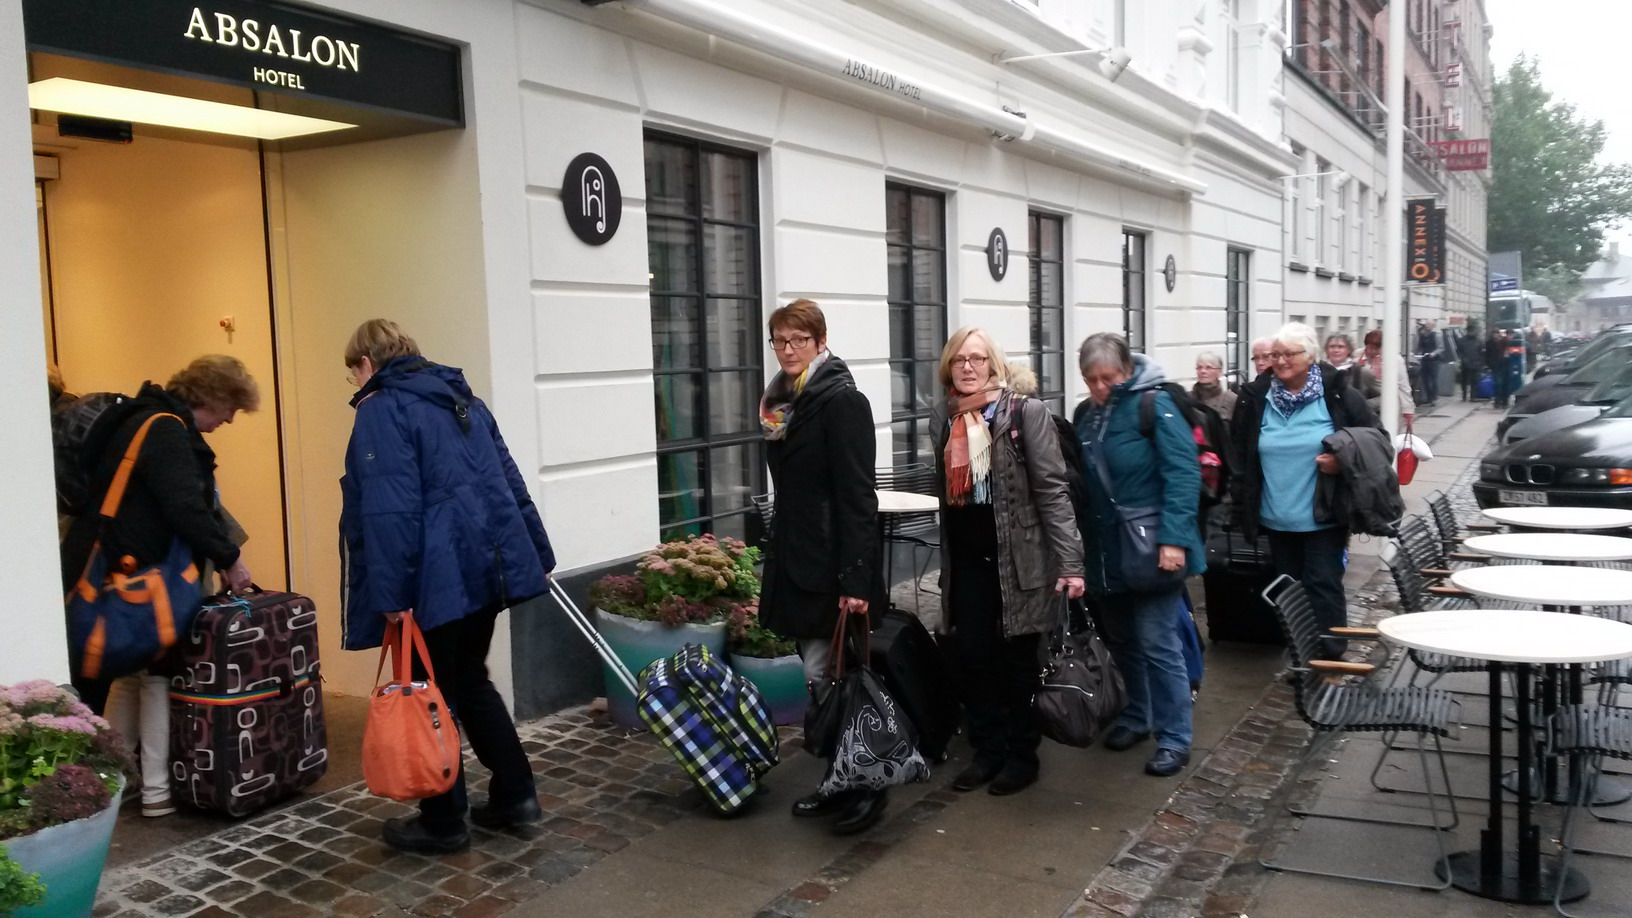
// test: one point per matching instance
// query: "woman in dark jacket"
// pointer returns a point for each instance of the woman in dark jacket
(823, 554)
(1278, 429)
(1010, 544)
(436, 520)
(1159, 471)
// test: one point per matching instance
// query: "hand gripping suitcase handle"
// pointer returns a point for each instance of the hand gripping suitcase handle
(594, 637)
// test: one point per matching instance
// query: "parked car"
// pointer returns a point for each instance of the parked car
(1587, 465)
(1565, 364)
(1599, 398)
(1568, 390)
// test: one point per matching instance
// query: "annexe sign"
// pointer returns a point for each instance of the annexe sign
(262, 44)
(1463, 155)
(1425, 250)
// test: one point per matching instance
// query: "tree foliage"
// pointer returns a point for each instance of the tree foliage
(1550, 198)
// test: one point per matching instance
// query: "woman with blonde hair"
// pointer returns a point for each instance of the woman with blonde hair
(1011, 546)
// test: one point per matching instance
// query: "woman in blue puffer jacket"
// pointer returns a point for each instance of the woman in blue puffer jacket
(437, 520)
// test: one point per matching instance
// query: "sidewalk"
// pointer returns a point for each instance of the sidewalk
(626, 833)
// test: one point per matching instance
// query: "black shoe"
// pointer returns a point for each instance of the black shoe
(818, 804)
(1121, 738)
(523, 812)
(863, 813)
(1167, 762)
(1012, 780)
(975, 775)
(408, 833)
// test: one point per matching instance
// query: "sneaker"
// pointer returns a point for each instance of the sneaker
(161, 808)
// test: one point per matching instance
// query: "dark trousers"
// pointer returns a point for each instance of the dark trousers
(1429, 379)
(1001, 675)
(1316, 560)
(458, 652)
(1469, 378)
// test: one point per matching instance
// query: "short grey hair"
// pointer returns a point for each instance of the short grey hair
(1301, 335)
(1263, 342)
(1210, 358)
(1105, 349)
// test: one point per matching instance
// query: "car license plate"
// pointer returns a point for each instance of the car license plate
(1523, 498)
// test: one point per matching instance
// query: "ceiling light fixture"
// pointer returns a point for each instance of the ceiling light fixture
(98, 100)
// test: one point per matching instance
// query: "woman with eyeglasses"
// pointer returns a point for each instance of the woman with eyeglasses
(1280, 422)
(822, 556)
(1010, 547)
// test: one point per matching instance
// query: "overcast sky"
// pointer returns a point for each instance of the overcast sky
(1582, 46)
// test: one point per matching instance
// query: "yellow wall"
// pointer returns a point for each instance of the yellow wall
(151, 244)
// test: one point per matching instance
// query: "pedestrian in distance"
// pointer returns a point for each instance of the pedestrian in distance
(1128, 469)
(1428, 360)
(171, 494)
(1209, 388)
(1278, 429)
(1011, 547)
(822, 557)
(1471, 349)
(1340, 354)
(1371, 357)
(437, 520)
(1260, 358)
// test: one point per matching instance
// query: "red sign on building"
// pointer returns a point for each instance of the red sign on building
(1463, 155)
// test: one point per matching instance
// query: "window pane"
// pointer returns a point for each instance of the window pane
(928, 389)
(1050, 241)
(679, 406)
(732, 477)
(901, 440)
(679, 487)
(731, 265)
(928, 276)
(897, 216)
(929, 335)
(736, 526)
(671, 178)
(1036, 332)
(900, 274)
(928, 224)
(671, 247)
(900, 387)
(733, 401)
(734, 333)
(900, 331)
(1053, 373)
(1053, 323)
(728, 187)
(1052, 285)
(674, 333)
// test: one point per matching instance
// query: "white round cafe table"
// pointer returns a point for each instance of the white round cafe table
(1561, 517)
(1548, 584)
(1521, 639)
(907, 502)
(1552, 546)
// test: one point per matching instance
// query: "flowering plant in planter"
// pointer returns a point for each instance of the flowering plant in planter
(746, 637)
(687, 581)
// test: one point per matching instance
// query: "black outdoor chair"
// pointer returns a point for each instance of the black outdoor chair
(922, 531)
(1451, 527)
(1333, 705)
(1596, 732)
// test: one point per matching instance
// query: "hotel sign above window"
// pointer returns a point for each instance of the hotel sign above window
(266, 46)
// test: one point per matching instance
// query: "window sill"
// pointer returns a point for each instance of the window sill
(1345, 277)
(1363, 281)
(1325, 272)
(1297, 266)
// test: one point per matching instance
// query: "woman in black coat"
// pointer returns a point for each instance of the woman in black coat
(822, 558)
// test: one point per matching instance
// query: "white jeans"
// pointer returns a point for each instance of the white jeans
(139, 708)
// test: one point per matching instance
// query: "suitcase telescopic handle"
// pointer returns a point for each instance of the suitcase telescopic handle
(559, 594)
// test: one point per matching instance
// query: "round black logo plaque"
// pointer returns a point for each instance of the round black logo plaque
(997, 254)
(591, 198)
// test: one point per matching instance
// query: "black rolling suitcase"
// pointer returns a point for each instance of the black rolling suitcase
(919, 676)
(1237, 573)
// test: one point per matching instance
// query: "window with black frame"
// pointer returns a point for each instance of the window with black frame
(915, 231)
(1237, 303)
(1047, 306)
(1134, 280)
(702, 238)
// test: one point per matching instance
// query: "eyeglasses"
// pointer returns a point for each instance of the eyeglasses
(976, 361)
(797, 342)
(1286, 355)
(351, 377)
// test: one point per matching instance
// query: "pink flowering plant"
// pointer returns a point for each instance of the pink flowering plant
(687, 581)
(58, 761)
(748, 638)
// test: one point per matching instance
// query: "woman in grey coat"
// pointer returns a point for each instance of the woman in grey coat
(1010, 546)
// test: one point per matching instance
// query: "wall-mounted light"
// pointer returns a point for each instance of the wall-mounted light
(1112, 61)
(99, 100)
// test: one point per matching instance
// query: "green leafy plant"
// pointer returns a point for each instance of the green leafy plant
(692, 580)
(18, 888)
(58, 761)
(747, 637)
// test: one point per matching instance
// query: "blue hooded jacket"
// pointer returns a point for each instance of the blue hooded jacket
(1160, 471)
(435, 516)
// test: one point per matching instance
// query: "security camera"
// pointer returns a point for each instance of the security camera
(1113, 63)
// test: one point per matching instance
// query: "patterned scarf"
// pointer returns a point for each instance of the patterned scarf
(776, 405)
(968, 455)
(1286, 401)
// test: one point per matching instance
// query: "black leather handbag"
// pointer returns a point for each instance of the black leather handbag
(1082, 692)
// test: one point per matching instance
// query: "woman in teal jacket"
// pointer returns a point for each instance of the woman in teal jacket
(1157, 471)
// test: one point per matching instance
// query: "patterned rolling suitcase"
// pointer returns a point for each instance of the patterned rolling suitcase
(246, 704)
(713, 720)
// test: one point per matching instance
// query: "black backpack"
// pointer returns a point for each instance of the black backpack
(1212, 437)
(1076, 481)
(80, 431)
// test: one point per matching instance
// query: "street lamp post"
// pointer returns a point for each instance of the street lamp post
(1393, 229)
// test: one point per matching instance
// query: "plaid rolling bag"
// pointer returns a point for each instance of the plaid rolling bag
(713, 720)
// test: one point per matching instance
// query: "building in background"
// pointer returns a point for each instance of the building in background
(1606, 294)
(1335, 121)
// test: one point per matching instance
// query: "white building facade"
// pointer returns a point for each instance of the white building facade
(863, 156)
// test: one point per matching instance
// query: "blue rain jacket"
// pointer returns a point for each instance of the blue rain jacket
(435, 516)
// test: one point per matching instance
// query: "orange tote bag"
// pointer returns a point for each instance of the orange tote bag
(410, 743)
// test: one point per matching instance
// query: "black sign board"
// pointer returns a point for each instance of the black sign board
(591, 198)
(1436, 243)
(264, 45)
(1424, 261)
(997, 254)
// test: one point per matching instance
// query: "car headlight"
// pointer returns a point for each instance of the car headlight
(1490, 471)
(1586, 476)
